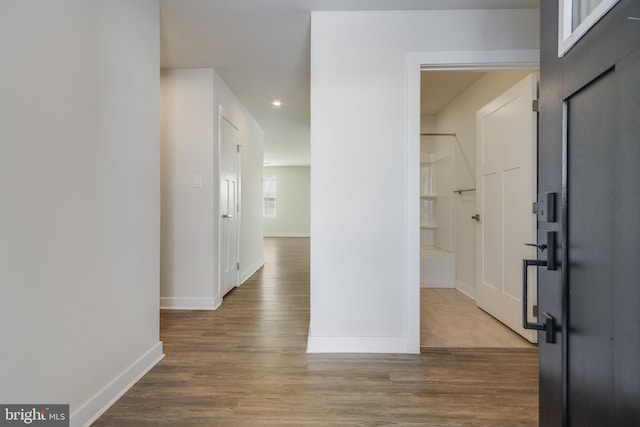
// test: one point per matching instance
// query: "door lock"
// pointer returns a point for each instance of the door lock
(545, 207)
(551, 263)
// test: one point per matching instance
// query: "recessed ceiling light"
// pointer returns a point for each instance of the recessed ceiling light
(276, 103)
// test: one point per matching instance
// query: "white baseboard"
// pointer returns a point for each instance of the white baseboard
(466, 289)
(180, 303)
(98, 404)
(434, 284)
(358, 345)
(287, 235)
(252, 269)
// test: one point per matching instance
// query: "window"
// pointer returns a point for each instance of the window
(269, 196)
(582, 9)
(576, 18)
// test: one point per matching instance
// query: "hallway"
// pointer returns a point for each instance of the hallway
(245, 364)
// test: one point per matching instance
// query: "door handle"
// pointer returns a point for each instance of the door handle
(476, 217)
(549, 325)
(541, 247)
(227, 216)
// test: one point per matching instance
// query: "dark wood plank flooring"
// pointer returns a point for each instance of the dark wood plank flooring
(245, 364)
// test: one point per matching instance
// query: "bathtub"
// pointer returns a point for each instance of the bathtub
(437, 268)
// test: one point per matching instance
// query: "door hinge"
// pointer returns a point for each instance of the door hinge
(535, 310)
(238, 147)
(238, 266)
(535, 106)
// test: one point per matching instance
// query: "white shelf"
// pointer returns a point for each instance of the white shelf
(428, 226)
(426, 158)
(428, 201)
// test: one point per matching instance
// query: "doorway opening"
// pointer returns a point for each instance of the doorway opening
(449, 315)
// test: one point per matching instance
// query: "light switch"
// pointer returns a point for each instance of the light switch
(197, 181)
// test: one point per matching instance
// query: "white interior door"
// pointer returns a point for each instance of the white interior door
(229, 206)
(506, 132)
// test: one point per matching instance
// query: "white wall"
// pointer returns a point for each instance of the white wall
(459, 116)
(191, 101)
(292, 201)
(188, 249)
(79, 184)
(360, 155)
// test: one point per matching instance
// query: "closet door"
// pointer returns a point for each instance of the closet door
(506, 139)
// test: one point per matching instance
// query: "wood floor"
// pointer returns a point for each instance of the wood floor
(245, 365)
(449, 318)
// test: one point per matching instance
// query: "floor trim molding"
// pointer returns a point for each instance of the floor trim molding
(244, 276)
(105, 398)
(287, 234)
(466, 289)
(187, 303)
(436, 284)
(358, 345)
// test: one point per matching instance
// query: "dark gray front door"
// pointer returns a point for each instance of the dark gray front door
(589, 155)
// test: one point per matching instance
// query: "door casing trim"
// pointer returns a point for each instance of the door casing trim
(222, 116)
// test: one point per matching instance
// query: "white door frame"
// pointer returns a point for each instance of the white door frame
(486, 60)
(223, 115)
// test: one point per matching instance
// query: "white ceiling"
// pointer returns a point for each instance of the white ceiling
(260, 48)
(438, 88)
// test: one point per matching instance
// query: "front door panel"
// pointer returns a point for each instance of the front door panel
(590, 152)
(591, 182)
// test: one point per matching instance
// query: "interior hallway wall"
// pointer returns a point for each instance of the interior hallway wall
(292, 202)
(191, 102)
(459, 116)
(360, 156)
(80, 191)
(188, 227)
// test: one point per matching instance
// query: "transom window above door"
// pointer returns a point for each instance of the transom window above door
(576, 18)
